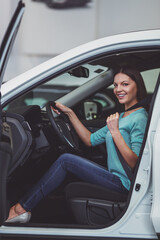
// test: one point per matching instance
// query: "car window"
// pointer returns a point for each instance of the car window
(109, 104)
(150, 78)
(57, 87)
(65, 83)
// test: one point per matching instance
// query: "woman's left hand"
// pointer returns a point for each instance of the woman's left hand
(113, 123)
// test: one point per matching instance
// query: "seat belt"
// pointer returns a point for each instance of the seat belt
(125, 166)
(144, 102)
(127, 169)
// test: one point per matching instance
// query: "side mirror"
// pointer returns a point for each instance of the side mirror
(92, 110)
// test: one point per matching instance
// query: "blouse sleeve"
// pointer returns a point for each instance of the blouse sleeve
(99, 136)
(137, 134)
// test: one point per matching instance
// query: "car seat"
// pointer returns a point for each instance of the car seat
(91, 204)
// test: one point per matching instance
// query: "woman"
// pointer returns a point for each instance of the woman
(126, 131)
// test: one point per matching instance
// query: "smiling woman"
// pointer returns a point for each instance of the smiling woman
(126, 84)
(125, 90)
(127, 136)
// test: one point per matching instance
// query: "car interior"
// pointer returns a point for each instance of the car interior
(38, 139)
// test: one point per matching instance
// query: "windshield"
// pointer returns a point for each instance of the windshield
(57, 87)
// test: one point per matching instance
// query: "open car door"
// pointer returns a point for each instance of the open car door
(155, 211)
(5, 130)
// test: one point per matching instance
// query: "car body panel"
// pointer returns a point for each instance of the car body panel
(155, 211)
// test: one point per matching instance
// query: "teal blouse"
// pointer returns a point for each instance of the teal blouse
(132, 129)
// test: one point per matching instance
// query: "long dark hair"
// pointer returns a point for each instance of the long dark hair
(135, 75)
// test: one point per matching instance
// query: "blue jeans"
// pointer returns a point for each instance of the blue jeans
(84, 169)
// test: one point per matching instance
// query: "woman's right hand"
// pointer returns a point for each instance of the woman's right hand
(81, 130)
(63, 108)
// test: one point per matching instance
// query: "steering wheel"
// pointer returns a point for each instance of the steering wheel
(63, 127)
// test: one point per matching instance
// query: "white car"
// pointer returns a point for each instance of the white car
(32, 138)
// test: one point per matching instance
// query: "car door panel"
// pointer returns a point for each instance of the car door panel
(5, 159)
(5, 129)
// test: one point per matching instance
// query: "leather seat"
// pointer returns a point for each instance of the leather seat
(94, 205)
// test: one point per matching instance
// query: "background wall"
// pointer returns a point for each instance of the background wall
(46, 32)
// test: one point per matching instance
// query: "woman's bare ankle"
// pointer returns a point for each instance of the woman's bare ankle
(19, 209)
(16, 210)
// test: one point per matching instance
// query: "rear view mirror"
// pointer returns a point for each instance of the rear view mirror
(80, 72)
(92, 110)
